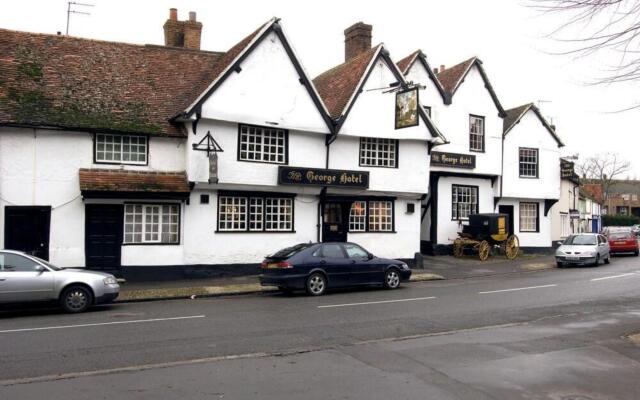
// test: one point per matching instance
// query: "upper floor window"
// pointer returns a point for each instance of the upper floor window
(464, 201)
(262, 144)
(255, 214)
(375, 152)
(476, 133)
(622, 210)
(152, 223)
(528, 163)
(121, 149)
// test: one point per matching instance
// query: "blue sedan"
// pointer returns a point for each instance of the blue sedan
(315, 267)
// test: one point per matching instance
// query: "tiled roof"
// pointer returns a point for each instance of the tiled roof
(514, 115)
(61, 81)
(450, 78)
(337, 85)
(406, 62)
(109, 180)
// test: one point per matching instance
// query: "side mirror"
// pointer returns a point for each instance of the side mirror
(559, 242)
(370, 256)
(39, 268)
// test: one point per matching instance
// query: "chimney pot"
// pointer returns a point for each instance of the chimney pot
(185, 34)
(192, 16)
(173, 14)
(357, 40)
(441, 67)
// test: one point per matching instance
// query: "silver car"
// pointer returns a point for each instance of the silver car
(583, 249)
(25, 278)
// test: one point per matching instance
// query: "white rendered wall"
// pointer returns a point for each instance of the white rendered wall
(567, 202)
(266, 90)
(531, 133)
(530, 239)
(429, 96)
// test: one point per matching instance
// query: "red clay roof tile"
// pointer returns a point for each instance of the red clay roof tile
(109, 180)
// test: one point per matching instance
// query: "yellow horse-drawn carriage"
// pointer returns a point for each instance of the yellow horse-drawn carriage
(484, 232)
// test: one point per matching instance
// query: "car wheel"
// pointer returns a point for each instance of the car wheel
(316, 284)
(559, 264)
(636, 253)
(392, 279)
(597, 261)
(607, 260)
(75, 299)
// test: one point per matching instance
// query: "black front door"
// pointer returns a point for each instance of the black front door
(103, 236)
(509, 211)
(335, 221)
(26, 228)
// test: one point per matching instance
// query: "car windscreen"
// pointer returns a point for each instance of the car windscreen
(579, 240)
(289, 252)
(48, 264)
(619, 235)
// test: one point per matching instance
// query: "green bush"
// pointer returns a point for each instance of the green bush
(620, 220)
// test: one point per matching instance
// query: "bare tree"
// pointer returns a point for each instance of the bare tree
(600, 26)
(604, 169)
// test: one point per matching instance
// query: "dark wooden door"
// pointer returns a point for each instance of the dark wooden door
(335, 222)
(103, 236)
(509, 211)
(26, 228)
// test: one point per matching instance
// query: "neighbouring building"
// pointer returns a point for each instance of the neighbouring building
(565, 216)
(622, 198)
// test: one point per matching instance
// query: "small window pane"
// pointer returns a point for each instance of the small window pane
(262, 144)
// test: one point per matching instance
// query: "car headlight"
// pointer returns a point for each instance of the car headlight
(110, 280)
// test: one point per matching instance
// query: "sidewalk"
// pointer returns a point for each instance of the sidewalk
(435, 268)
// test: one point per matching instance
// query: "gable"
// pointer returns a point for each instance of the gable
(430, 95)
(531, 132)
(266, 89)
(473, 95)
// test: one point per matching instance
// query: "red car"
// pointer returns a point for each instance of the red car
(623, 242)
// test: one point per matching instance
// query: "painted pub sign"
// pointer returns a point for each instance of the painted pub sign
(406, 108)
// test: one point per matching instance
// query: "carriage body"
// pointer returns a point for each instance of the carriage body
(485, 231)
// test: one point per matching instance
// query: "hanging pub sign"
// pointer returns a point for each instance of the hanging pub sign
(453, 160)
(407, 108)
(574, 214)
(323, 177)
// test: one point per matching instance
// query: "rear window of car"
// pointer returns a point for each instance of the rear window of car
(289, 252)
(619, 235)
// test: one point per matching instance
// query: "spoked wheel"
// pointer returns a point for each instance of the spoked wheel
(76, 299)
(483, 250)
(458, 248)
(392, 279)
(512, 247)
(316, 284)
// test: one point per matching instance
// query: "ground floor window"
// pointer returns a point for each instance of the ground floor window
(622, 210)
(564, 225)
(371, 216)
(464, 201)
(255, 213)
(529, 217)
(151, 223)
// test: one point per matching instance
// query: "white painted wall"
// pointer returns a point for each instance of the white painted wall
(429, 96)
(530, 239)
(568, 200)
(266, 90)
(532, 134)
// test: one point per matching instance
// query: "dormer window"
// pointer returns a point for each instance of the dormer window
(476, 133)
(121, 149)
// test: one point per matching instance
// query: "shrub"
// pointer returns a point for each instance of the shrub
(620, 220)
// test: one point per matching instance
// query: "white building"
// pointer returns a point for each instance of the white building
(564, 214)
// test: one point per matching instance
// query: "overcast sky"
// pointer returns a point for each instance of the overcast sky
(510, 38)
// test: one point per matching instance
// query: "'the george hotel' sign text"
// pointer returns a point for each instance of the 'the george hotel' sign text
(454, 160)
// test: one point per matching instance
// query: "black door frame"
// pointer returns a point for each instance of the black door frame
(120, 233)
(511, 215)
(45, 210)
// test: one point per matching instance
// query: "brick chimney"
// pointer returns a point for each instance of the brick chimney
(357, 39)
(184, 34)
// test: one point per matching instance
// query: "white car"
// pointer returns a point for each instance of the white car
(25, 278)
(583, 249)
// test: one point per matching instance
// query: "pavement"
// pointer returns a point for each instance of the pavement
(547, 334)
(434, 268)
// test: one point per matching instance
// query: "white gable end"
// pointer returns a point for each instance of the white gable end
(267, 90)
(373, 113)
(429, 96)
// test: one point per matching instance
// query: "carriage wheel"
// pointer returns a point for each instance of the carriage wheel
(458, 248)
(512, 247)
(483, 250)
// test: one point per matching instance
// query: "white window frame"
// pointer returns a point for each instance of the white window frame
(255, 213)
(358, 216)
(528, 159)
(263, 144)
(378, 152)
(529, 216)
(564, 225)
(107, 143)
(465, 207)
(476, 133)
(380, 216)
(151, 230)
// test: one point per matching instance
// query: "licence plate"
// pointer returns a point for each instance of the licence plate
(619, 243)
(573, 258)
(272, 265)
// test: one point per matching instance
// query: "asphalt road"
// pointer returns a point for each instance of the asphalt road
(556, 334)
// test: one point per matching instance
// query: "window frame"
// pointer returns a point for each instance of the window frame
(537, 175)
(477, 210)
(537, 208)
(367, 215)
(154, 243)
(95, 149)
(484, 133)
(396, 144)
(286, 144)
(256, 195)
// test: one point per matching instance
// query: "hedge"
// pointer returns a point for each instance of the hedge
(620, 220)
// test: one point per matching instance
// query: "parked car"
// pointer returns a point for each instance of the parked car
(25, 278)
(623, 241)
(315, 267)
(583, 249)
(636, 229)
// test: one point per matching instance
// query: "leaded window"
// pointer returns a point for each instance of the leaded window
(255, 214)
(528, 163)
(358, 216)
(151, 223)
(377, 152)
(262, 144)
(476, 133)
(380, 216)
(278, 214)
(528, 217)
(120, 149)
(464, 201)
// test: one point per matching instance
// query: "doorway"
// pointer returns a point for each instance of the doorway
(103, 236)
(509, 211)
(26, 228)
(335, 221)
